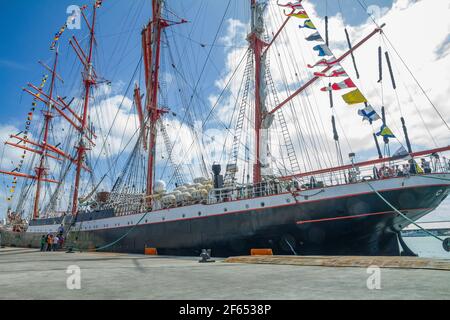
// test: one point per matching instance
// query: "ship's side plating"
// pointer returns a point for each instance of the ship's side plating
(348, 219)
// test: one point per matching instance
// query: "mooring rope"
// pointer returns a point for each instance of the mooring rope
(368, 183)
(403, 215)
(115, 241)
(290, 246)
(436, 178)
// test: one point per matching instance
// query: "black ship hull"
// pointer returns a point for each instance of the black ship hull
(356, 224)
(329, 229)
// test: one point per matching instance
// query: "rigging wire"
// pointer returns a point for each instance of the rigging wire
(417, 82)
(365, 8)
(117, 113)
(401, 213)
(216, 104)
(317, 140)
(204, 66)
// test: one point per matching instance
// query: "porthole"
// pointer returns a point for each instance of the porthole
(262, 204)
(146, 221)
(247, 206)
(225, 209)
(184, 216)
(288, 200)
(163, 219)
(199, 214)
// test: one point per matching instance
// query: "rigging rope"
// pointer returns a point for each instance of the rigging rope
(203, 69)
(365, 8)
(116, 116)
(418, 83)
(211, 112)
(402, 214)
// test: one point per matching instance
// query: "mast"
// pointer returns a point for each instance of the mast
(89, 80)
(257, 45)
(48, 116)
(157, 24)
(151, 42)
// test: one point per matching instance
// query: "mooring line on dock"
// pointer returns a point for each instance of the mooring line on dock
(115, 241)
(435, 178)
(443, 241)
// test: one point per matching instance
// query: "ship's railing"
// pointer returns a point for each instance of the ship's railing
(248, 191)
(132, 203)
(126, 203)
(391, 169)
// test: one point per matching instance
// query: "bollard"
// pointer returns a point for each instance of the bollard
(206, 256)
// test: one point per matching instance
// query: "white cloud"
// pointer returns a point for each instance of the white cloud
(108, 110)
(425, 51)
(235, 29)
(10, 158)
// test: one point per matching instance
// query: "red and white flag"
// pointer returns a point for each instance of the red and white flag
(291, 4)
(324, 62)
(346, 84)
(340, 72)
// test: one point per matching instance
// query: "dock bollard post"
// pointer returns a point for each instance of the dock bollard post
(206, 256)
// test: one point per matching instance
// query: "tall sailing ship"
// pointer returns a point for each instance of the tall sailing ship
(284, 184)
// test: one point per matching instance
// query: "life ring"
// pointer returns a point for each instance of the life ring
(385, 172)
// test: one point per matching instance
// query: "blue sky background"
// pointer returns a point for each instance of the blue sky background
(27, 28)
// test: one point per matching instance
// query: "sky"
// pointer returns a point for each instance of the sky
(26, 30)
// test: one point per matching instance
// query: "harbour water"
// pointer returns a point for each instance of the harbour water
(427, 247)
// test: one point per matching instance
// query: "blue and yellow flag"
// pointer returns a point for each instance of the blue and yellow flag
(385, 132)
(308, 25)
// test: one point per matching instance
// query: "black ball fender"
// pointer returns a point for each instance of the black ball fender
(446, 244)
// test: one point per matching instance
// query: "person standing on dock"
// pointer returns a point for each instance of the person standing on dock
(43, 242)
(61, 241)
(60, 230)
(55, 243)
(49, 242)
